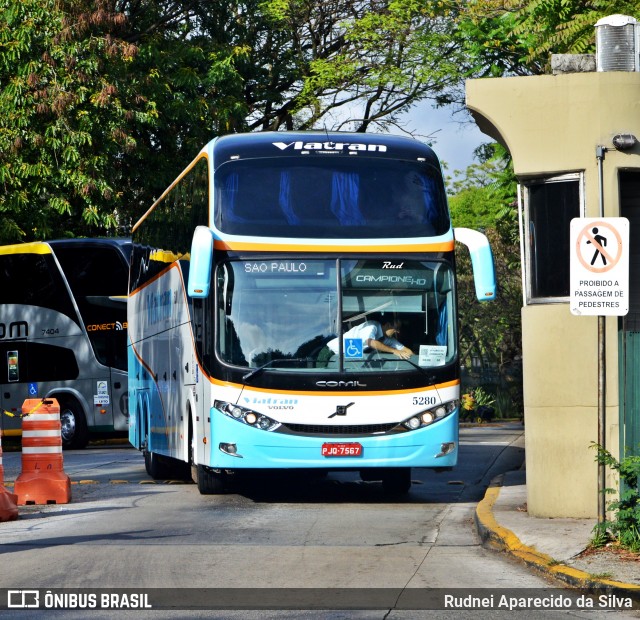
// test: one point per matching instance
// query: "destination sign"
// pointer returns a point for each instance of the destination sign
(403, 279)
(285, 267)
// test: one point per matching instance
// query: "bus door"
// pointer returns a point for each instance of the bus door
(105, 322)
(119, 399)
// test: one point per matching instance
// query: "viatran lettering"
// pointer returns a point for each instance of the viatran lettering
(274, 403)
(340, 384)
(299, 145)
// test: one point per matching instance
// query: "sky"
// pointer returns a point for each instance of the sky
(453, 135)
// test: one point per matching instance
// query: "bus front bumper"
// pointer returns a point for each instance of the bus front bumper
(235, 445)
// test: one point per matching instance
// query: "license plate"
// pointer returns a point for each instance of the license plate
(341, 449)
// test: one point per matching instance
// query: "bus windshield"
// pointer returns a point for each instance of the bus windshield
(330, 198)
(289, 314)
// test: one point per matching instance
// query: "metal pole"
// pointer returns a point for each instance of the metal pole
(602, 363)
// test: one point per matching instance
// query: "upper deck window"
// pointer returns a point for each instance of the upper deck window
(33, 280)
(332, 197)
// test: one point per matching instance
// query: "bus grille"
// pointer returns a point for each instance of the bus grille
(325, 429)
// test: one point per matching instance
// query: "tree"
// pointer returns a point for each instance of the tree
(486, 200)
(66, 118)
(516, 37)
(103, 103)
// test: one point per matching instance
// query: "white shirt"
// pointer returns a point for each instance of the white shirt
(365, 331)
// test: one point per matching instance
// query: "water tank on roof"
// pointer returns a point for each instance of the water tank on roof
(617, 38)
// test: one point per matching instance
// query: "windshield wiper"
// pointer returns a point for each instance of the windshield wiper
(430, 377)
(259, 369)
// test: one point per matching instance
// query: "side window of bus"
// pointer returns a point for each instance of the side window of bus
(33, 362)
(94, 271)
(96, 274)
(33, 280)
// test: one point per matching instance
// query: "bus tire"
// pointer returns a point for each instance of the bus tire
(210, 482)
(73, 425)
(156, 466)
(396, 481)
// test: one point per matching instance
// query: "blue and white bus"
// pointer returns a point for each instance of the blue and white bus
(253, 279)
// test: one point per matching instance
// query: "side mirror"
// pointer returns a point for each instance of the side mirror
(481, 260)
(200, 263)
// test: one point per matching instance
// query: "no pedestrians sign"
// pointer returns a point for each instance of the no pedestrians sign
(599, 266)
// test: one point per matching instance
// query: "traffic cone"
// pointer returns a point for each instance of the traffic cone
(42, 480)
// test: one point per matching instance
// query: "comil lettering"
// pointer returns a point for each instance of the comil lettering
(299, 145)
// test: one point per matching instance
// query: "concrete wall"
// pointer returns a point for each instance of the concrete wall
(552, 125)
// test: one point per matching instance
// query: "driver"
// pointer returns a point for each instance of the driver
(379, 336)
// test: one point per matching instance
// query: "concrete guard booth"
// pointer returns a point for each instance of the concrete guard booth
(564, 131)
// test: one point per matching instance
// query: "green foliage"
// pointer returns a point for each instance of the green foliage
(491, 330)
(66, 114)
(102, 104)
(482, 397)
(505, 404)
(513, 37)
(492, 45)
(476, 397)
(625, 525)
(477, 404)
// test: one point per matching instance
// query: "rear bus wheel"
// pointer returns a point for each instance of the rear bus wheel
(73, 425)
(156, 466)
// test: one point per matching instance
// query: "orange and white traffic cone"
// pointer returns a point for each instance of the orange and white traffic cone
(8, 501)
(42, 480)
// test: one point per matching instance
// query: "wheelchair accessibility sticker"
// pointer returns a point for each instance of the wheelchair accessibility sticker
(353, 349)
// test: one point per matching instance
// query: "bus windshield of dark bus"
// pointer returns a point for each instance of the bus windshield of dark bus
(289, 314)
(330, 198)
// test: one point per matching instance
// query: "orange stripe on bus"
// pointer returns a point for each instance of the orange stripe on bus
(438, 386)
(445, 246)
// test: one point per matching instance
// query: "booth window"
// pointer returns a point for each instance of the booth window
(550, 205)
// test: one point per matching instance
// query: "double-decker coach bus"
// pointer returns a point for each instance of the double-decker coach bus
(63, 334)
(292, 304)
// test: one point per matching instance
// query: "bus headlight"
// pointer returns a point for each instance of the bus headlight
(247, 416)
(429, 416)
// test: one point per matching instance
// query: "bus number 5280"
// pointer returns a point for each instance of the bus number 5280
(424, 400)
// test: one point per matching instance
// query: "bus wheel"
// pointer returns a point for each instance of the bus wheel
(397, 481)
(156, 466)
(73, 425)
(210, 482)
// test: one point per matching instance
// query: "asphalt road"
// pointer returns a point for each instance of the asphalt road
(333, 536)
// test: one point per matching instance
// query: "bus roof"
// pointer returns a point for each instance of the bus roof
(292, 143)
(122, 244)
(32, 247)
(113, 241)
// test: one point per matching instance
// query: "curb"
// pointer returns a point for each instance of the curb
(497, 537)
